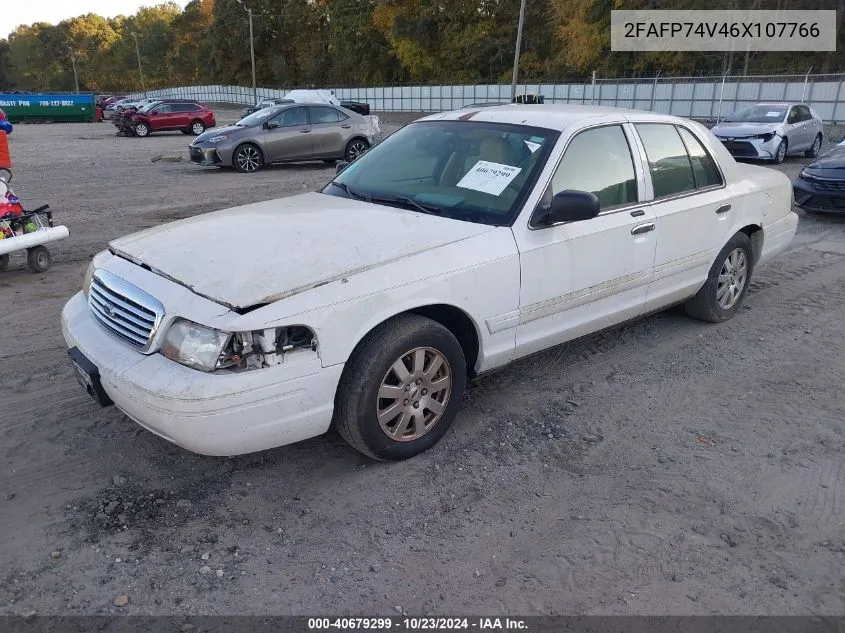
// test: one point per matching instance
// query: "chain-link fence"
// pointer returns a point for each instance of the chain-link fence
(706, 98)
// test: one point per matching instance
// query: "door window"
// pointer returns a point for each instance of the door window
(323, 114)
(164, 108)
(794, 115)
(704, 169)
(668, 161)
(599, 160)
(804, 113)
(293, 117)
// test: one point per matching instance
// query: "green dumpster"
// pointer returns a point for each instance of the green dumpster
(53, 107)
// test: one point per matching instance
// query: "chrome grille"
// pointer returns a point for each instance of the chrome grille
(826, 183)
(125, 310)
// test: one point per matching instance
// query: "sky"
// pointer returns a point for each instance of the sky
(15, 12)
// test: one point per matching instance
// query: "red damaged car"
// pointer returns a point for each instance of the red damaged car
(188, 117)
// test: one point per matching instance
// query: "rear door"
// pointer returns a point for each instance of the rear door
(182, 115)
(691, 208)
(810, 126)
(329, 129)
(288, 136)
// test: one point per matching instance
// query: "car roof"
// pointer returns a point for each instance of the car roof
(551, 116)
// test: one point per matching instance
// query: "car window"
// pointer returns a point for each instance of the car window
(293, 117)
(599, 161)
(794, 115)
(162, 108)
(804, 113)
(322, 114)
(704, 169)
(668, 162)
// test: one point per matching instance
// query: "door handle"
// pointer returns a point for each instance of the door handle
(642, 228)
(305, 131)
(346, 126)
(638, 213)
(724, 208)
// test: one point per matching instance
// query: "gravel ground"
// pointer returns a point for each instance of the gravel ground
(664, 467)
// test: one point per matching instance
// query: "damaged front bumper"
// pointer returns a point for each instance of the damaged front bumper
(753, 147)
(205, 156)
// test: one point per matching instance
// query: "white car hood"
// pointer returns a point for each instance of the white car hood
(260, 253)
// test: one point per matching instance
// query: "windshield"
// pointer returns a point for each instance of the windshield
(466, 170)
(758, 114)
(257, 117)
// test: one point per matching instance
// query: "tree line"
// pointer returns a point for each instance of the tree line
(366, 42)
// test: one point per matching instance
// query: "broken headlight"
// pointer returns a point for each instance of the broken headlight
(194, 345)
(208, 349)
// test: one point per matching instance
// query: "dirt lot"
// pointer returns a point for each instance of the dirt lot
(664, 467)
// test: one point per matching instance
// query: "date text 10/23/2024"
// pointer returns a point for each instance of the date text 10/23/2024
(417, 624)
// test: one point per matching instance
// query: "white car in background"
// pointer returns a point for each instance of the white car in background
(462, 242)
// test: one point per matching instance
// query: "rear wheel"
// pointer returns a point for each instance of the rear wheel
(197, 127)
(141, 129)
(38, 258)
(354, 149)
(247, 159)
(721, 295)
(815, 147)
(401, 389)
(4, 261)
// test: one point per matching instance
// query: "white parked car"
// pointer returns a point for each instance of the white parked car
(462, 242)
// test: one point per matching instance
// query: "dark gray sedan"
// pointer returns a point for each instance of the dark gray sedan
(286, 133)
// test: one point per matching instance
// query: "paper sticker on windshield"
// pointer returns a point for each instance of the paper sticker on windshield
(489, 177)
(532, 146)
(768, 114)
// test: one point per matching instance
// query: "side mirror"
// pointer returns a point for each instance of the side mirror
(271, 125)
(341, 165)
(568, 206)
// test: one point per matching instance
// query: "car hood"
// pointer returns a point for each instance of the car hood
(834, 159)
(260, 253)
(744, 129)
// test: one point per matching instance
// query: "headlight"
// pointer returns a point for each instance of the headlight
(216, 139)
(803, 175)
(768, 136)
(89, 275)
(194, 345)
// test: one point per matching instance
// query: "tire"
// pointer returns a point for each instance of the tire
(329, 161)
(187, 132)
(780, 152)
(141, 129)
(197, 127)
(816, 146)
(4, 261)
(354, 149)
(713, 302)
(39, 259)
(247, 158)
(370, 382)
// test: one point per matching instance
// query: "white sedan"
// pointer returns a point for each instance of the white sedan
(464, 241)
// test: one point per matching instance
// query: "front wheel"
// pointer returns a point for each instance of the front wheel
(4, 261)
(247, 159)
(721, 295)
(815, 147)
(780, 152)
(401, 389)
(355, 149)
(141, 129)
(197, 127)
(39, 259)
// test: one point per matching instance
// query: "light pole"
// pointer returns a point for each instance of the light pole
(518, 45)
(140, 71)
(251, 51)
(73, 63)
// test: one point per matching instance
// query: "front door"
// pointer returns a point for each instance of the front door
(579, 277)
(796, 130)
(288, 136)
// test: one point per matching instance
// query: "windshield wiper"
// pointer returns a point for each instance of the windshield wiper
(357, 195)
(430, 209)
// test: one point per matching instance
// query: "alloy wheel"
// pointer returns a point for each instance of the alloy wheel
(357, 149)
(413, 394)
(197, 128)
(141, 129)
(781, 152)
(732, 279)
(248, 159)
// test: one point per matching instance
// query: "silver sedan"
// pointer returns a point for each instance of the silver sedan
(286, 133)
(771, 131)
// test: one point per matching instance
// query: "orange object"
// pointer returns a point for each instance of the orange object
(5, 156)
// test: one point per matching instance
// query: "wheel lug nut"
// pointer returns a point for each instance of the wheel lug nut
(407, 387)
(425, 392)
(416, 405)
(419, 381)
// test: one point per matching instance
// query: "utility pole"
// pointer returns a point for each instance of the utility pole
(252, 57)
(140, 71)
(75, 76)
(518, 46)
